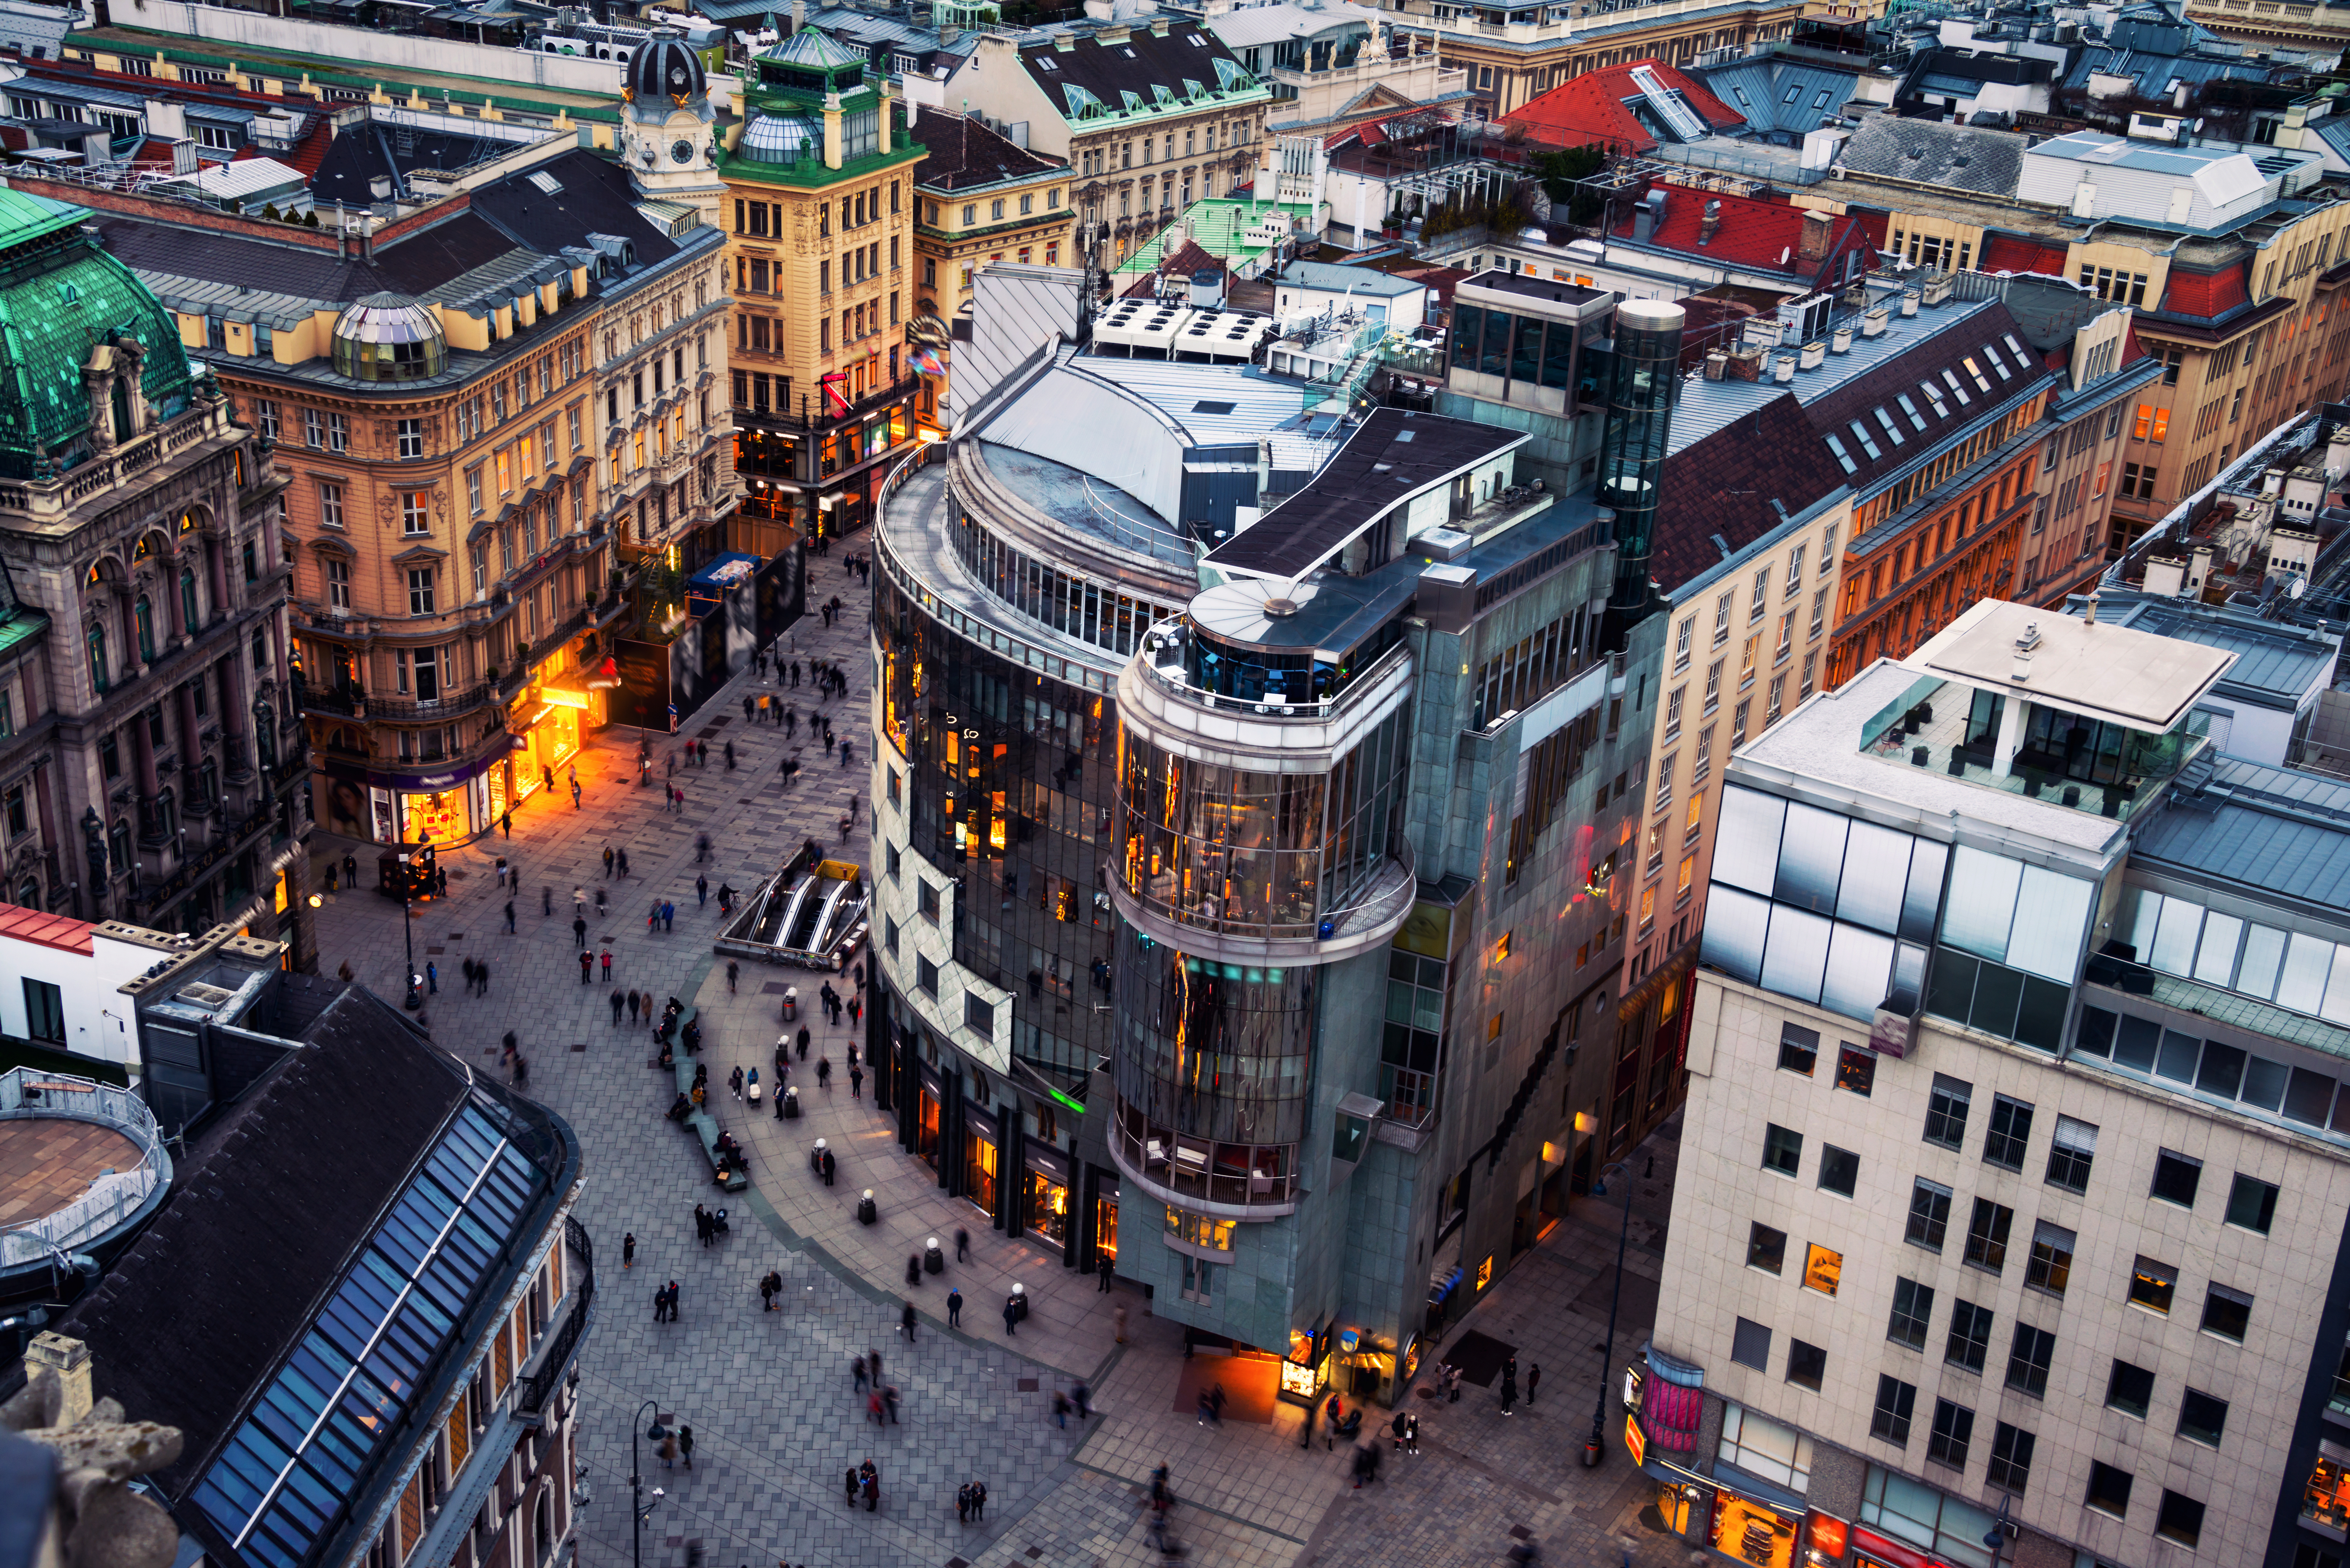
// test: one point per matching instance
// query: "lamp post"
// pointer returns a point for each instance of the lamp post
(412, 1002)
(1592, 1449)
(639, 1509)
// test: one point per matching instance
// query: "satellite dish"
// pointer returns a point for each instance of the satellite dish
(2299, 583)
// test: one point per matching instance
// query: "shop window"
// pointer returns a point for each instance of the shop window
(1823, 1269)
(2152, 1284)
(1799, 1049)
(2227, 1312)
(1929, 1214)
(1913, 1313)
(1807, 1365)
(1782, 1150)
(1946, 1112)
(2028, 1358)
(1895, 1402)
(2202, 1417)
(2109, 1489)
(1970, 1339)
(1766, 1248)
(2251, 1203)
(1199, 1231)
(1839, 1171)
(2130, 1388)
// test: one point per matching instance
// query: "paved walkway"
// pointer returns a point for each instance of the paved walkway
(776, 1419)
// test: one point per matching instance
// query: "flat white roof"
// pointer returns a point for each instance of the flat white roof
(2103, 671)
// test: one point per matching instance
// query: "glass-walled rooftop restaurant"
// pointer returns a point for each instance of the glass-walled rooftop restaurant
(2019, 702)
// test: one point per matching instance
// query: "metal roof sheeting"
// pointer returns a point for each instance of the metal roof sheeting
(2274, 831)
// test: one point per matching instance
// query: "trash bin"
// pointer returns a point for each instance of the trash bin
(791, 1105)
(791, 1004)
(935, 1261)
(868, 1212)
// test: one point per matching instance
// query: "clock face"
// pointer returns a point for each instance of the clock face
(681, 151)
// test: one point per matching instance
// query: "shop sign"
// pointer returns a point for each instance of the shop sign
(518, 742)
(1878, 1551)
(1409, 1359)
(1633, 1378)
(1829, 1534)
(1299, 1380)
(1750, 1533)
(557, 697)
(1636, 1442)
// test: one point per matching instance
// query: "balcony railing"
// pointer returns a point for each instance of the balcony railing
(533, 1388)
(25, 1094)
(53, 496)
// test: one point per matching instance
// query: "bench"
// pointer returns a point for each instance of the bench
(701, 1123)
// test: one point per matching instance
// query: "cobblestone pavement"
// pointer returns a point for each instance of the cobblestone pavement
(769, 1395)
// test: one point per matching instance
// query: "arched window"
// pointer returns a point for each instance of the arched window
(99, 675)
(188, 617)
(143, 614)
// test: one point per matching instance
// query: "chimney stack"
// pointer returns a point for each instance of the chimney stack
(1817, 228)
(1710, 222)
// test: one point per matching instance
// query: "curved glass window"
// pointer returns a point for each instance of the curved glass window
(1218, 1052)
(1258, 854)
(1252, 674)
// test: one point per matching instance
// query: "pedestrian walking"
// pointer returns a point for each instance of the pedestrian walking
(510, 917)
(481, 966)
(730, 756)
(629, 1250)
(579, 931)
(616, 1007)
(856, 1368)
(669, 911)
(1011, 1314)
(906, 1321)
(701, 889)
(801, 1041)
(734, 973)
(622, 859)
(608, 862)
(1509, 1385)
(962, 1244)
(1082, 1398)
(1534, 1381)
(1206, 1410)
(1117, 1323)
(433, 977)
(632, 1008)
(855, 1081)
(607, 964)
(954, 1309)
(506, 823)
(545, 901)
(700, 847)
(685, 1444)
(979, 1502)
(1061, 1408)
(587, 966)
(574, 793)
(962, 1503)
(889, 1402)
(824, 1074)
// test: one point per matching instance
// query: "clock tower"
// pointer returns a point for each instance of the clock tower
(668, 132)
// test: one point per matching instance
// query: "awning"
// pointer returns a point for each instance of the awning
(1669, 1414)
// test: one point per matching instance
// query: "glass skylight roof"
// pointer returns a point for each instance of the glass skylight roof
(280, 1485)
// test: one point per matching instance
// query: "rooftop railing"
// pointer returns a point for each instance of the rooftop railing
(115, 1195)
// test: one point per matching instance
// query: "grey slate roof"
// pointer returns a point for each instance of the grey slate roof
(2275, 832)
(1931, 152)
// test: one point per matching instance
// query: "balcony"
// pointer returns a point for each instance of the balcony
(748, 419)
(50, 498)
(115, 1199)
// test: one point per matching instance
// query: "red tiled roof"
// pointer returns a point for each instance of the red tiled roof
(2012, 253)
(1726, 483)
(1764, 235)
(1591, 109)
(311, 151)
(47, 930)
(2205, 294)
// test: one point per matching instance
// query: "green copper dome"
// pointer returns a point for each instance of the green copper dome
(62, 296)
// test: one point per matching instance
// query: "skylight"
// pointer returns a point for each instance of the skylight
(546, 183)
(1860, 433)
(1934, 396)
(1997, 363)
(1910, 408)
(2016, 349)
(1841, 456)
(1891, 427)
(1953, 378)
(1975, 372)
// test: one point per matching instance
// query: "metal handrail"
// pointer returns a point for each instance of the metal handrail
(1158, 543)
(26, 1093)
(1171, 675)
(533, 1389)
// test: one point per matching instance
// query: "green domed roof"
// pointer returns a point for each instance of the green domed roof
(61, 294)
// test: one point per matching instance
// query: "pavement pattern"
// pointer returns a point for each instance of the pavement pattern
(776, 1416)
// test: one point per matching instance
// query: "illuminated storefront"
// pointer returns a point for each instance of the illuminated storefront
(980, 1154)
(1046, 1210)
(926, 1118)
(1752, 1531)
(1307, 1367)
(1106, 1224)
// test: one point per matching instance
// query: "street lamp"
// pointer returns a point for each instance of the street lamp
(1592, 1449)
(639, 1509)
(414, 1000)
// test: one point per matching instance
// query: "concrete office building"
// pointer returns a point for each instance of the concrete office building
(1310, 892)
(2009, 1229)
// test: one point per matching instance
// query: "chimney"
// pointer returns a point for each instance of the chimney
(1872, 323)
(1909, 302)
(1782, 369)
(2025, 645)
(70, 1359)
(1710, 222)
(1840, 341)
(2091, 617)
(1717, 365)
(1817, 228)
